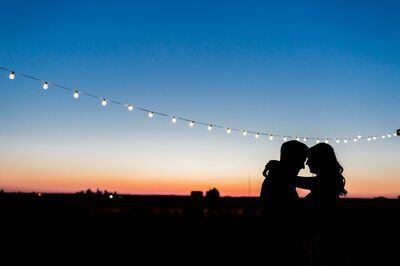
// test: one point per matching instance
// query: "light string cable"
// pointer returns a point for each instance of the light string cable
(257, 134)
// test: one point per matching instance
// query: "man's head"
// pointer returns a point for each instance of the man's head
(293, 155)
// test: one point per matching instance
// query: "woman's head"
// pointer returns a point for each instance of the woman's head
(322, 159)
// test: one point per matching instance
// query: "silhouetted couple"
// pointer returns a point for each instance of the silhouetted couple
(294, 235)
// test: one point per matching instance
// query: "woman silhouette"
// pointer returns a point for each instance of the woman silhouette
(326, 187)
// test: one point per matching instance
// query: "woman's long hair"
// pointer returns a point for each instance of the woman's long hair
(324, 156)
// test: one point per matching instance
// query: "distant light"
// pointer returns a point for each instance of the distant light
(305, 139)
(284, 138)
(151, 114)
(12, 75)
(337, 140)
(111, 196)
(104, 102)
(209, 127)
(345, 140)
(355, 139)
(45, 85)
(257, 135)
(374, 137)
(297, 138)
(76, 94)
(39, 194)
(359, 137)
(369, 139)
(191, 124)
(173, 119)
(388, 135)
(130, 107)
(326, 141)
(383, 136)
(317, 141)
(228, 131)
(271, 137)
(244, 132)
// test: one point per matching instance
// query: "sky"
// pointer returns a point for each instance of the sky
(322, 69)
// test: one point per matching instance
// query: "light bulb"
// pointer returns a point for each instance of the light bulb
(173, 119)
(297, 138)
(12, 75)
(257, 135)
(271, 137)
(369, 139)
(209, 127)
(45, 85)
(130, 107)
(388, 135)
(359, 137)
(345, 140)
(284, 138)
(244, 132)
(76, 94)
(327, 141)
(228, 131)
(151, 114)
(317, 141)
(305, 139)
(104, 102)
(355, 140)
(374, 137)
(191, 124)
(337, 140)
(383, 136)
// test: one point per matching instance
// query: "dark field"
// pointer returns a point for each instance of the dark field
(176, 229)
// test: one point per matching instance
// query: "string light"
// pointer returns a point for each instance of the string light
(76, 94)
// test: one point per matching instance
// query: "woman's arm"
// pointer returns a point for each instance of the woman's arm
(305, 182)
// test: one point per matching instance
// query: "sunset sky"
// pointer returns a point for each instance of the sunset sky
(326, 69)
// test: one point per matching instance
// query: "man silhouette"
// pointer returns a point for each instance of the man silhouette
(282, 226)
(278, 190)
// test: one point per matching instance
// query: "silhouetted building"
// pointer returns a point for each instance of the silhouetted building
(196, 194)
(212, 194)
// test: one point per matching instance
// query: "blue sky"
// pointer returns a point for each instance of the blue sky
(309, 68)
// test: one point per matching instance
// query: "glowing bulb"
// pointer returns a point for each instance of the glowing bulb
(297, 138)
(244, 132)
(395, 134)
(369, 139)
(374, 137)
(388, 135)
(130, 107)
(45, 85)
(209, 127)
(104, 102)
(257, 135)
(76, 94)
(383, 136)
(12, 75)
(111, 196)
(151, 114)
(337, 140)
(317, 141)
(359, 137)
(191, 124)
(228, 131)
(173, 119)
(345, 141)
(355, 140)
(271, 137)
(305, 139)
(284, 138)
(326, 141)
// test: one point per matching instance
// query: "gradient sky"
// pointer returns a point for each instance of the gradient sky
(298, 68)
